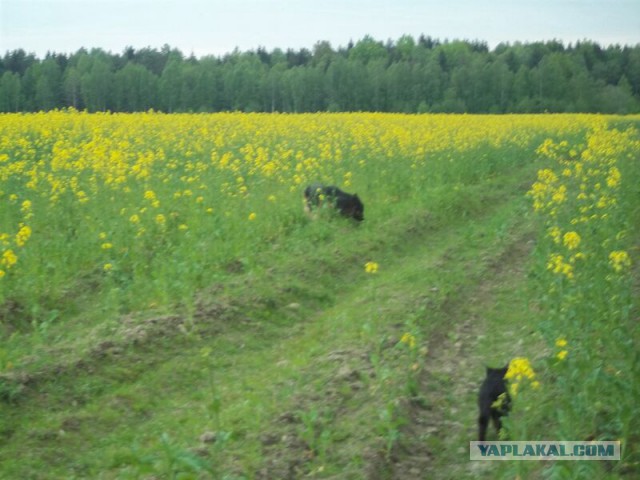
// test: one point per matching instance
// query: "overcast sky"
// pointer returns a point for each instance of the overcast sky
(216, 27)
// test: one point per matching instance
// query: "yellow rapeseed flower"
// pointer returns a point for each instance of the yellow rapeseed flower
(619, 260)
(82, 197)
(371, 267)
(560, 194)
(577, 256)
(557, 265)
(513, 388)
(561, 343)
(555, 233)
(409, 340)
(149, 195)
(547, 176)
(9, 259)
(520, 370)
(571, 240)
(613, 180)
(23, 235)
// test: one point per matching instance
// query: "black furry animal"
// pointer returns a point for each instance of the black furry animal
(492, 389)
(348, 205)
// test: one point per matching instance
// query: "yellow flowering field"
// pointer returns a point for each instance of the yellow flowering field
(586, 203)
(185, 235)
(122, 199)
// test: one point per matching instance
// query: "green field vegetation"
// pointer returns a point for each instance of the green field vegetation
(292, 348)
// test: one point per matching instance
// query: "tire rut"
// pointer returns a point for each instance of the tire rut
(447, 376)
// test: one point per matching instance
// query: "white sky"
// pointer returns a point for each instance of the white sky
(216, 26)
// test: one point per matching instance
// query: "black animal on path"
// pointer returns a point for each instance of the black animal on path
(494, 400)
(318, 195)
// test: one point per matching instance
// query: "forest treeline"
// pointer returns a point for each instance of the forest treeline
(407, 75)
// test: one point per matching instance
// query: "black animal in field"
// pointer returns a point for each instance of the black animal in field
(319, 196)
(493, 400)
